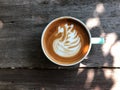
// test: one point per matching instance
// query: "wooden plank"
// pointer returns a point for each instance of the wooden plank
(23, 21)
(74, 79)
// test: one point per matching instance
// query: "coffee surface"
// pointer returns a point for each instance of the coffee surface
(66, 41)
(68, 44)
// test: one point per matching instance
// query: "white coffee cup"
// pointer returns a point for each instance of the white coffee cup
(92, 40)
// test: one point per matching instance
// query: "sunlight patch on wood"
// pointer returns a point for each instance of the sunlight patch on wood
(115, 52)
(108, 73)
(80, 71)
(97, 88)
(1, 24)
(110, 39)
(93, 22)
(90, 77)
(82, 65)
(116, 79)
(106, 64)
(42, 88)
(100, 8)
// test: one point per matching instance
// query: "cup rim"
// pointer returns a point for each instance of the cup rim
(62, 17)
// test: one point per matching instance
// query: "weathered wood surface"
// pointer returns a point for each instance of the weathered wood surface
(74, 79)
(23, 21)
(21, 25)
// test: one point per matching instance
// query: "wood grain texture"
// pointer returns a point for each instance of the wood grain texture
(21, 25)
(23, 21)
(74, 79)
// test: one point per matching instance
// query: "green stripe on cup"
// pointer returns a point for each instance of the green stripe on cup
(97, 40)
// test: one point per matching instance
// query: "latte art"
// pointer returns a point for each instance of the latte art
(65, 41)
(68, 44)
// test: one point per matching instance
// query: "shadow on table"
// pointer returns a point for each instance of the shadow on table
(75, 77)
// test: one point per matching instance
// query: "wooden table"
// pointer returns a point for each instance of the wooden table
(23, 66)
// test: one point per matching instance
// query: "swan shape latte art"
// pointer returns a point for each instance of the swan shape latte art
(68, 44)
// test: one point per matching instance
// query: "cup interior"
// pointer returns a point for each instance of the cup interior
(47, 41)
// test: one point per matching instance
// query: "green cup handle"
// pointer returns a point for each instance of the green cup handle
(97, 40)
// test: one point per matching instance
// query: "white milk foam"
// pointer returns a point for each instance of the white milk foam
(68, 44)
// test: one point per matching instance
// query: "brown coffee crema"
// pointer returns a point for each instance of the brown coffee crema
(59, 42)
